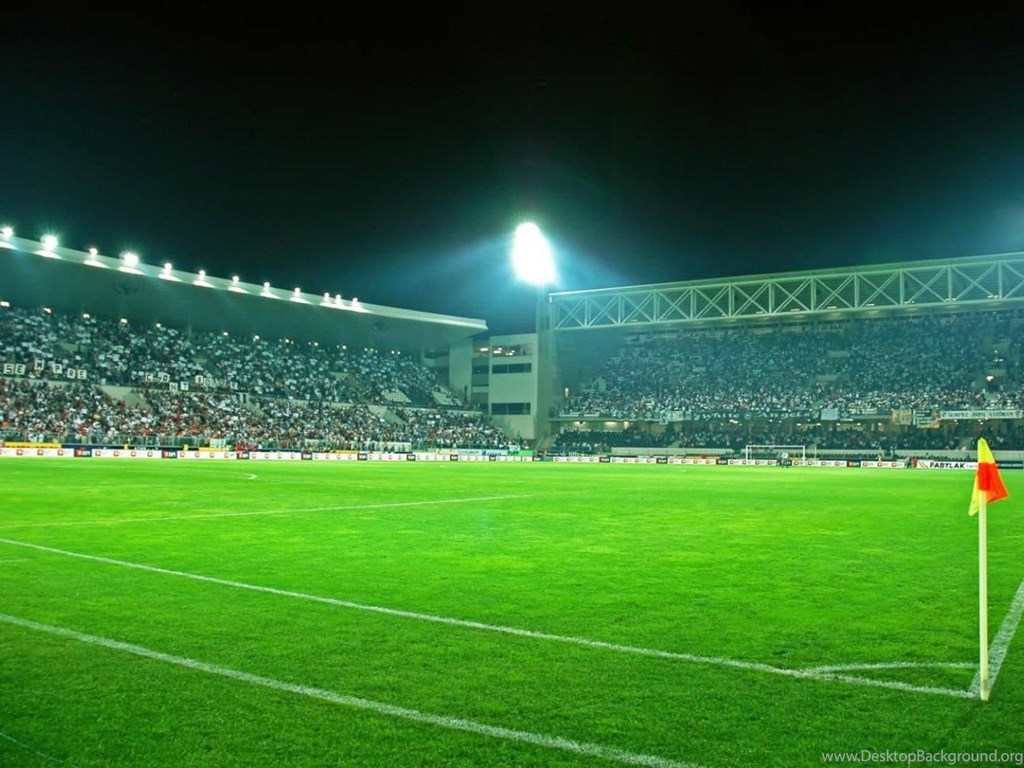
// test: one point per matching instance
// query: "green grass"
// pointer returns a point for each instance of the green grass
(788, 568)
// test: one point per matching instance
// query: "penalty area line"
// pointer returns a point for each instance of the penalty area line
(747, 666)
(356, 702)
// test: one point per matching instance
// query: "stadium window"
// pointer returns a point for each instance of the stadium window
(512, 368)
(510, 409)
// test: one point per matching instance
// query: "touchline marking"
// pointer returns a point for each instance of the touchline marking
(1001, 643)
(356, 702)
(343, 508)
(750, 666)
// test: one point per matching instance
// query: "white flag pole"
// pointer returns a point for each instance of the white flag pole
(983, 595)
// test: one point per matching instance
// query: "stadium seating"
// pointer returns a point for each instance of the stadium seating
(60, 373)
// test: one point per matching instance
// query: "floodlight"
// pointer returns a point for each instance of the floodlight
(168, 266)
(49, 242)
(131, 259)
(531, 256)
(92, 262)
(7, 233)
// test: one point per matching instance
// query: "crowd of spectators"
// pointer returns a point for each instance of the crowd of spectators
(720, 388)
(239, 392)
(857, 367)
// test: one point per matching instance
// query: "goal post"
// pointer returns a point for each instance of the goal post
(780, 453)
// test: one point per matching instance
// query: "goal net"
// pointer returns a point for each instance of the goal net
(780, 453)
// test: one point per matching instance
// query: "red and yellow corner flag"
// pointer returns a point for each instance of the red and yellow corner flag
(987, 479)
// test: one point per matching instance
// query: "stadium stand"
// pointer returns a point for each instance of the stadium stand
(107, 381)
(834, 385)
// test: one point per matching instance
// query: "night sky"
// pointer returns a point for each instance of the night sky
(389, 155)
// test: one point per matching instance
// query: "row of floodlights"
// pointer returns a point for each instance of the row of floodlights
(131, 265)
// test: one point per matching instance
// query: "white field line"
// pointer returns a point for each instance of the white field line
(356, 702)
(894, 665)
(1001, 643)
(750, 666)
(27, 748)
(341, 508)
(15, 560)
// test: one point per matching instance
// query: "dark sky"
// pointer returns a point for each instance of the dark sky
(388, 154)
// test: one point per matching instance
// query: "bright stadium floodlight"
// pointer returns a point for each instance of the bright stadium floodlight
(6, 233)
(531, 256)
(130, 261)
(50, 244)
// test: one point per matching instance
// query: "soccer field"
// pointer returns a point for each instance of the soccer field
(332, 614)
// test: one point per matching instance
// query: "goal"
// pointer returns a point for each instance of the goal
(780, 453)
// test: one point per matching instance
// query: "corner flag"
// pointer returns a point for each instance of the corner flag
(987, 479)
(988, 486)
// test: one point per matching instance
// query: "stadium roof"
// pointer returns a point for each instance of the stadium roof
(966, 283)
(34, 274)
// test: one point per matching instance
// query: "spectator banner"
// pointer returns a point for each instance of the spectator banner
(24, 444)
(830, 414)
(748, 415)
(983, 414)
(903, 416)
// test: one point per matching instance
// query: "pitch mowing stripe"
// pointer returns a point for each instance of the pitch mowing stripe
(749, 666)
(343, 508)
(356, 702)
(1001, 644)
